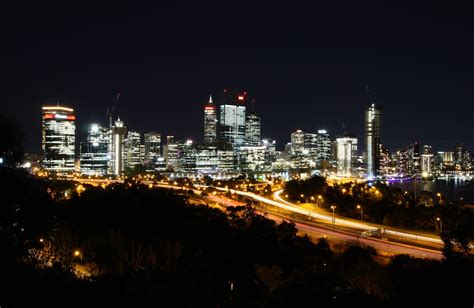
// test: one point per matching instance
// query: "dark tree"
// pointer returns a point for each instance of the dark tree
(11, 139)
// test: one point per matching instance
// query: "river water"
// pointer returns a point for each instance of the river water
(450, 189)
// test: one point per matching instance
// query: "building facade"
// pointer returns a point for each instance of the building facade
(152, 141)
(372, 139)
(232, 124)
(58, 139)
(134, 150)
(210, 122)
(346, 156)
(95, 151)
(118, 153)
(252, 130)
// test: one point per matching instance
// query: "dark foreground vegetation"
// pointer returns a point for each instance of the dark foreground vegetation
(140, 247)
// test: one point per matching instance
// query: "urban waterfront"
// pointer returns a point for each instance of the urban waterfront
(234, 154)
(451, 189)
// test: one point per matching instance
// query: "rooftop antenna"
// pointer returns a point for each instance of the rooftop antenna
(110, 111)
(369, 94)
(344, 129)
(253, 105)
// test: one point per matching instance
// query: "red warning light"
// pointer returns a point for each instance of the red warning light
(240, 97)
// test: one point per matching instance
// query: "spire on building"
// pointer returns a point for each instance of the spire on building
(210, 99)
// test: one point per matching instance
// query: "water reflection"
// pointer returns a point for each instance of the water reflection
(450, 189)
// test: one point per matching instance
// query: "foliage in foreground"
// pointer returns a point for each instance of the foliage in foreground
(148, 247)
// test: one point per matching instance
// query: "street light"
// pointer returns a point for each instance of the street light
(333, 207)
(440, 224)
(361, 212)
(77, 253)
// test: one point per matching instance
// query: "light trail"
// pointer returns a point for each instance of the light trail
(283, 204)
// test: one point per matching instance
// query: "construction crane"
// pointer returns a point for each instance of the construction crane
(110, 111)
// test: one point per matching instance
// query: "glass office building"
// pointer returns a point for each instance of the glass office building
(58, 138)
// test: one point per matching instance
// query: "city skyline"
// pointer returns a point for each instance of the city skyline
(306, 71)
(231, 143)
(200, 135)
(237, 153)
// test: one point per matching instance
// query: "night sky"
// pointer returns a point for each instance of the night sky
(305, 66)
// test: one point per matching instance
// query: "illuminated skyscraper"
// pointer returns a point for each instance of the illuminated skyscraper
(252, 130)
(210, 122)
(346, 156)
(323, 146)
(171, 153)
(152, 146)
(232, 123)
(414, 160)
(58, 139)
(95, 154)
(372, 139)
(297, 142)
(426, 162)
(118, 147)
(133, 145)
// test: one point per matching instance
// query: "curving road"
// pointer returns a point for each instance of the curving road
(349, 234)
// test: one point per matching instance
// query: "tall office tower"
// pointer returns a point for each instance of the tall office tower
(426, 162)
(133, 146)
(270, 153)
(118, 147)
(95, 154)
(311, 145)
(402, 158)
(58, 139)
(232, 123)
(460, 155)
(152, 142)
(346, 156)
(252, 130)
(186, 156)
(414, 163)
(448, 158)
(372, 139)
(210, 122)
(324, 146)
(297, 142)
(170, 153)
(386, 168)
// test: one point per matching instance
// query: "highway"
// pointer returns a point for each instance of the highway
(316, 225)
(338, 221)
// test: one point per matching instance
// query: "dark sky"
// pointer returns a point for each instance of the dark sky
(305, 65)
